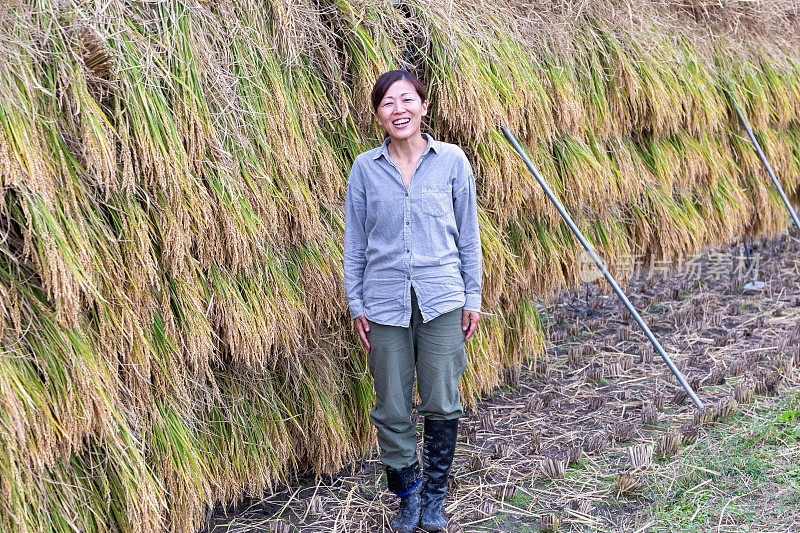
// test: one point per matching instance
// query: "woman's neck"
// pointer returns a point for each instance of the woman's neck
(407, 149)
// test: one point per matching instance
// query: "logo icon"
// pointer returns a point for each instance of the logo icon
(587, 269)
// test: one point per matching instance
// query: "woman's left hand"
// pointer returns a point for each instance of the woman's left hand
(469, 322)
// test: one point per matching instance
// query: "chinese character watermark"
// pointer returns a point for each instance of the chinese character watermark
(715, 266)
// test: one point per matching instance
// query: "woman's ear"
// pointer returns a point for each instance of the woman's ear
(424, 108)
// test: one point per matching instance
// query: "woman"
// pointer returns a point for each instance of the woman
(412, 271)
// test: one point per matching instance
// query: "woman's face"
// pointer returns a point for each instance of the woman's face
(401, 110)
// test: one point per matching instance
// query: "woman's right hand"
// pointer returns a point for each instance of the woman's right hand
(362, 327)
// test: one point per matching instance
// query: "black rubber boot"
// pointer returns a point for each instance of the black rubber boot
(439, 445)
(407, 485)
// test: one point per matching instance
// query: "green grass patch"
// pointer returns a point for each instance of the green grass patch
(744, 476)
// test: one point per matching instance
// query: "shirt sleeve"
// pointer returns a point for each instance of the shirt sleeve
(355, 241)
(465, 207)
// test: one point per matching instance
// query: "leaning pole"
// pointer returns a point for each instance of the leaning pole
(764, 160)
(590, 250)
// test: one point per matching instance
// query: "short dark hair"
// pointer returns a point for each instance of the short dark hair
(388, 78)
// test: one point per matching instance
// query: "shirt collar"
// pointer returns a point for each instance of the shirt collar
(432, 144)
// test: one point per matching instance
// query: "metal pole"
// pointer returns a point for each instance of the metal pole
(764, 159)
(599, 263)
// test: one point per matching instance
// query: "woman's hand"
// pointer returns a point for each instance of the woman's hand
(362, 327)
(469, 322)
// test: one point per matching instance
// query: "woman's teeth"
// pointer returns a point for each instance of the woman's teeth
(400, 122)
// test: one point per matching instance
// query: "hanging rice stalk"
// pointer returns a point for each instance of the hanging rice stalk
(173, 326)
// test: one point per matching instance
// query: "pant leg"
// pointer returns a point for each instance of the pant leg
(441, 361)
(391, 363)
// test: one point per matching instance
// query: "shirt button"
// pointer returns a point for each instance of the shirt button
(406, 222)
(408, 251)
(408, 277)
(406, 193)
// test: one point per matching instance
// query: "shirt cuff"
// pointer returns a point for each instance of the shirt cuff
(356, 308)
(473, 302)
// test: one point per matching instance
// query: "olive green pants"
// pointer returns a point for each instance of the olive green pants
(436, 350)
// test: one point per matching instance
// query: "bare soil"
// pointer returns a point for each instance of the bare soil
(573, 438)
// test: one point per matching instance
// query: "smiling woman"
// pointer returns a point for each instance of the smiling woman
(400, 101)
(171, 296)
(412, 267)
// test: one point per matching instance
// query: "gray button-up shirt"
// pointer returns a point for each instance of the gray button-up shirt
(425, 235)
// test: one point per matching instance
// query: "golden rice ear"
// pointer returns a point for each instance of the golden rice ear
(180, 227)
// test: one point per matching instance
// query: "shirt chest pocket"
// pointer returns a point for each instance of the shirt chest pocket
(436, 201)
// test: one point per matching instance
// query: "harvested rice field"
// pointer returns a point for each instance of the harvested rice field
(174, 330)
(598, 435)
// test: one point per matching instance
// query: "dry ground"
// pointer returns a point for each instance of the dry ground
(587, 440)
